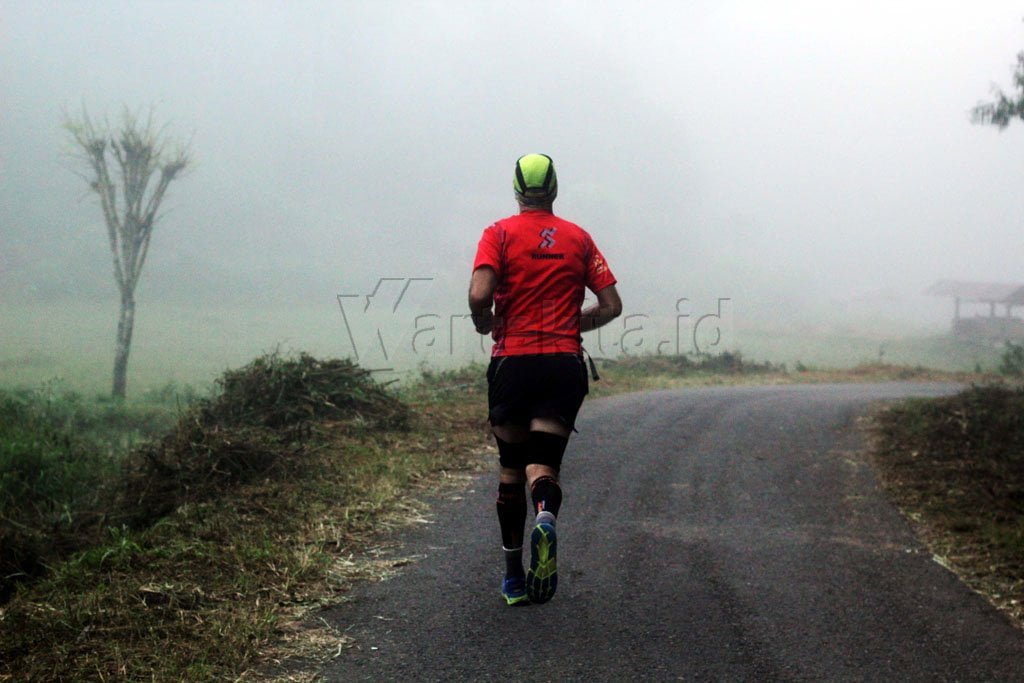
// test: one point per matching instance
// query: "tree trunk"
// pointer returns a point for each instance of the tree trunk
(124, 344)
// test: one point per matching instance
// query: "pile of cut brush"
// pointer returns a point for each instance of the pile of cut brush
(273, 391)
(257, 424)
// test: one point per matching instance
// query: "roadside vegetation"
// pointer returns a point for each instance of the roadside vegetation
(58, 454)
(196, 555)
(955, 466)
(188, 537)
(638, 373)
(1011, 364)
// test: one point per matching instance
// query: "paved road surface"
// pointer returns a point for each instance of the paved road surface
(707, 534)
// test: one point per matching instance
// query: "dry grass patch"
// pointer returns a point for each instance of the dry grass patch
(955, 466)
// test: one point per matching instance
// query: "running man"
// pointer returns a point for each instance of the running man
(533, 268)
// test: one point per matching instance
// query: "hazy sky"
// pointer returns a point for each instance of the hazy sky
(789, 155)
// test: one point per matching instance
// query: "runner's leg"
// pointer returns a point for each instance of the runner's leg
(511, 508)
(547, 441)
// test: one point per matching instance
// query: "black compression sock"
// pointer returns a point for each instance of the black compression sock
(511, 514)
(547, 495)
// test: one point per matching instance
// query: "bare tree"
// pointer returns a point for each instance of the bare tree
(1005, 107)
(130, 169)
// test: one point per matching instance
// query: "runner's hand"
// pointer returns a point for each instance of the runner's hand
(484, 322)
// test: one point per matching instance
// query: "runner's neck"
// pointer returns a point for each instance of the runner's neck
(530, 208)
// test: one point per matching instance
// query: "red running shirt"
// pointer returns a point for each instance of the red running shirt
(543, 264)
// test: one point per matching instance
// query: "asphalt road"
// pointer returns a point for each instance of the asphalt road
(707, 534)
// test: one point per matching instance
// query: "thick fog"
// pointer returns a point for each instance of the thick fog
(813, 163)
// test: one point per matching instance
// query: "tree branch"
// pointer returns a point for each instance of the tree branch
(138, 149)
(108, 200)
(1005, 108)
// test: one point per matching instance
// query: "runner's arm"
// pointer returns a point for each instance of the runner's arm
(607, 308)
(481, 298)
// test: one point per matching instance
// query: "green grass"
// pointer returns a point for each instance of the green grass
(58, 453)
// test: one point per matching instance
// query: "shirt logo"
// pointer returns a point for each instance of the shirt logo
(547, 238)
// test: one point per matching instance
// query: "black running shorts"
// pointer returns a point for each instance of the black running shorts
(521, 388)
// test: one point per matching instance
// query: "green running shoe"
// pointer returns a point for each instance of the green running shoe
(513, 589)
(542, 578)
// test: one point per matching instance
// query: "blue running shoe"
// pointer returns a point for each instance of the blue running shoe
(513, 589)
(542, 578)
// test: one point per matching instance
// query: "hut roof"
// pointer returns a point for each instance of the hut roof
(980, 292)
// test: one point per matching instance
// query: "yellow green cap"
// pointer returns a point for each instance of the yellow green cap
(535, 178)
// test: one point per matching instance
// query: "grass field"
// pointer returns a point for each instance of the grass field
(171, 343)
(825, 350)
(189, 346)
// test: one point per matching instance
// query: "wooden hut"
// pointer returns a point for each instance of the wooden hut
(983, 311)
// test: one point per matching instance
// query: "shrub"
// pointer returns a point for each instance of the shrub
(1011, 363)
(50, 472)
